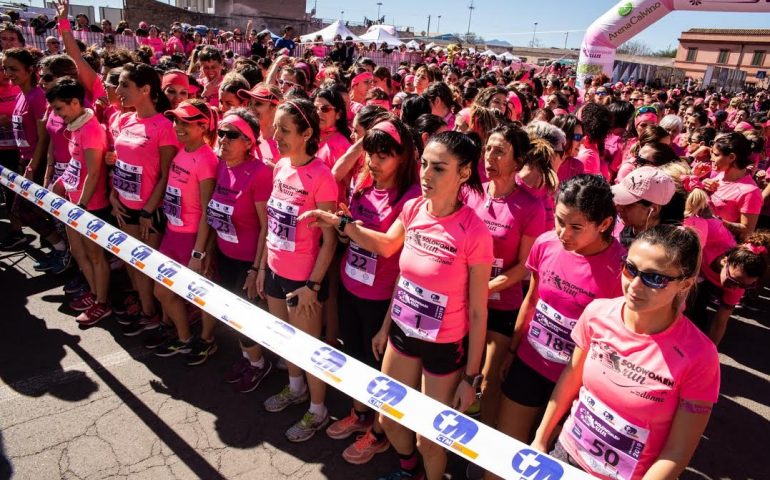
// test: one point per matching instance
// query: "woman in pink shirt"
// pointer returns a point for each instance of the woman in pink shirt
(596, 121)
(52, 68)
(387, 182)
(642, 379)
(293, 272)
(189, 189)
(564, 265)
(145, 145)
(573, 131)
(264, 100)
(211, 65)
(735, 196)
(436, 329)
(85, 183)
(335, 134)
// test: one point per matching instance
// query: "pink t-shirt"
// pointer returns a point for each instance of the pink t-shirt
(567, 282)
(268, 150)
(137, 147)
(569, 168)
(332, 148)
(613, 152)
(29, 109)
(546, 200)
(182, 201)
(632, 387)
(292, 246)
(90, 136)
(508, 219)
(59, 143)
(588, 154)
(430, 302)
(716, 240)
(363, 273)
(231, 211)
(731, 199)
(8, 95)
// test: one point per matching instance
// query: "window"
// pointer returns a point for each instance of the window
(723, 54)
(758, 59)
(692, 53)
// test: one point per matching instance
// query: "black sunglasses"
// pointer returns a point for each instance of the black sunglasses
(643, 110)
(229, 134)
(656, 281)
(325, 108)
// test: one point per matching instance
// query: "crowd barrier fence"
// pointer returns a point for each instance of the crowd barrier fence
(472, 440)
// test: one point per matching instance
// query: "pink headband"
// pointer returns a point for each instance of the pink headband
(745, 126)
(560, 111)
(361, 77)
(242, 125)
(514, 100)
(646, 117)
(300, 112)
(390, 129)
(755, 249)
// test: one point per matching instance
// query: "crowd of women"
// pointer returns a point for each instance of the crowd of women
(570, 256)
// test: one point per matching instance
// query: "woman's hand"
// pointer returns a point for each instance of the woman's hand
(539, 445)
(320, 218)
(110, 158)
(465, 395)
(379, 342)
(250, 285)
(711, 184)
(307, 301)
(196, 265)
(145, 228)
(62, 8)
(261, 283)
(118, 210)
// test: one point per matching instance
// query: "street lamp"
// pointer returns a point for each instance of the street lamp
(379, 4)
(534, 31)
(438, 28)
(342, 15)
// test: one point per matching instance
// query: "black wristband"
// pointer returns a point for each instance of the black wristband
(344, 220)
(145, 214)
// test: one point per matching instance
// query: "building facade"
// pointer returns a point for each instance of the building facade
(736, 49)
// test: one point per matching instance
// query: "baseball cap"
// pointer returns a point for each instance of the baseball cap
(259, 92)
(644, 183)
(187, 113)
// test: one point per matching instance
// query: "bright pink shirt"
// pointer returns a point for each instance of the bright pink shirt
(363, 273)
(29, 109)
(716, 240)
(632, 387)
(292, 246)
(546, 199)
(182, 201)
(569, 168)
(90, 136)
(588, 154)
(567, 282)
(332, 148)
(268, 150)
(231, 211)
(137, 146)
(508, 219)
(731, 199)
(430, 302)
(613, 151)
(59, 142)
(8, 95)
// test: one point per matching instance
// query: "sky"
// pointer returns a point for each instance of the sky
(513, 20)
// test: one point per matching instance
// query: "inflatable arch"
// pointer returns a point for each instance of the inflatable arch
(629, 17)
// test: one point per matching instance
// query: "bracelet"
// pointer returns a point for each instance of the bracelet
(64, 25)
(145, 214)
(253, 269)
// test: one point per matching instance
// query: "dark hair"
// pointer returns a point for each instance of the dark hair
(10, 27)
(428, 123)
(662, 154)
(412, 107)
(377, 93)
(368, 115)
(681, 244)
(467, 149)
(441, 91)
(622, 113)
(234, 82)
(705, 135)
(539, 157)
(336, 100)
(736, 143)
(701, 115)
(250, 72)
(304, 116)
(378, 141)
(249, 118)
(26, 57)
(300, 76)
(567, 124)
(213, 118)
(517, 137)
(596, 123)
(592, 196)
(208, 53)
(383, 73)
(752, 264)
(60, 66)
(142, 74)
(66, 89)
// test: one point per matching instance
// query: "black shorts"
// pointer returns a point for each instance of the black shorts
(704, 294)
(525, 386)
(437, 358)
(278, 287)
(231, 273)
(360, 320)
(559, 453)
(158, 218)
(501, 321)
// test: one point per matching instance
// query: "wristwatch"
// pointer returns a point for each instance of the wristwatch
(314, 286)
(344, 220)
(145, 214)
(198, 255)
(473, 380)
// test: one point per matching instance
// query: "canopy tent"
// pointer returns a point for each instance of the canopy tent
(328, 33)
(272, 35)
(510, 57)
(414, 44)
(489, 53)
(379, 34)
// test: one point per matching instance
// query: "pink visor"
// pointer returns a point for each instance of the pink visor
(242, 126)
(650, 118)
(187, 113)
(260, 93)
(361, 77)
(175, 78)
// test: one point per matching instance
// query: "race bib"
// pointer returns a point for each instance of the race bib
(549, 333)
(417, 310)
(607, 442)
(497, 269)
(361, 264)
(58, 170)
(127, 180)
(282, 224)
(172, 205)
(71, 176)
(18, 128)
(220, 217)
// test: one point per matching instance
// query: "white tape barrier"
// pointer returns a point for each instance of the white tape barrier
(473, 440)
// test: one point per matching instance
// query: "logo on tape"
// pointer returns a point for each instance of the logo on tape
(167, 271)
(56, 204)
(329, 361)
(12, 177)
(532, 465)
(139, 255)
(283, 331)
(26, 184)
(94, 226)
(40, 194)
(197, 291)
(114, 241)
(386, 394)
(73, 215)
(455, 431)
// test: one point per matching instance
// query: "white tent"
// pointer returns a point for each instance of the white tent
(328, 33)
(510, 56)
(379, 34)
(488, 53)
(414, 44)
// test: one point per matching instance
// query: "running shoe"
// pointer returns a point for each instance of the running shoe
(13, 241)
(200, 350)
(83, 302)
(252, 376)
(172, 347)
(236, 370)
(345, 427)
(75, 284)
(365, 448)
(61, 261)
(46, 263)
(403, 474)
(285, 398)
(306, 428)
(159, 336)
(94, 314)
(128, 301)
(142, 322)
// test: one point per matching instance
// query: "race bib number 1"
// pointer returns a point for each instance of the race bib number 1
(417, 310)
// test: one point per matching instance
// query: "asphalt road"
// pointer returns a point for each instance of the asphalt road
(93, 404)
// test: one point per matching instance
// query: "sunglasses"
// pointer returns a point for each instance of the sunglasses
(396, 106)
(643, 110)
(577, 137)
(601, 94)
(636, 99)
(656, 281)
(325, 108)
(281, 83)
(53, 43)
(731, 282)
(229, 134)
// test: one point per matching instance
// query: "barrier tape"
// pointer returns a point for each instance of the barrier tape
(456, 432)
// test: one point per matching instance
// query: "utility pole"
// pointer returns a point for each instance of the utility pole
(427, 32)
(470, 15)
(438, 28)
(534, 32)
(566, 37)
(379, 4)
